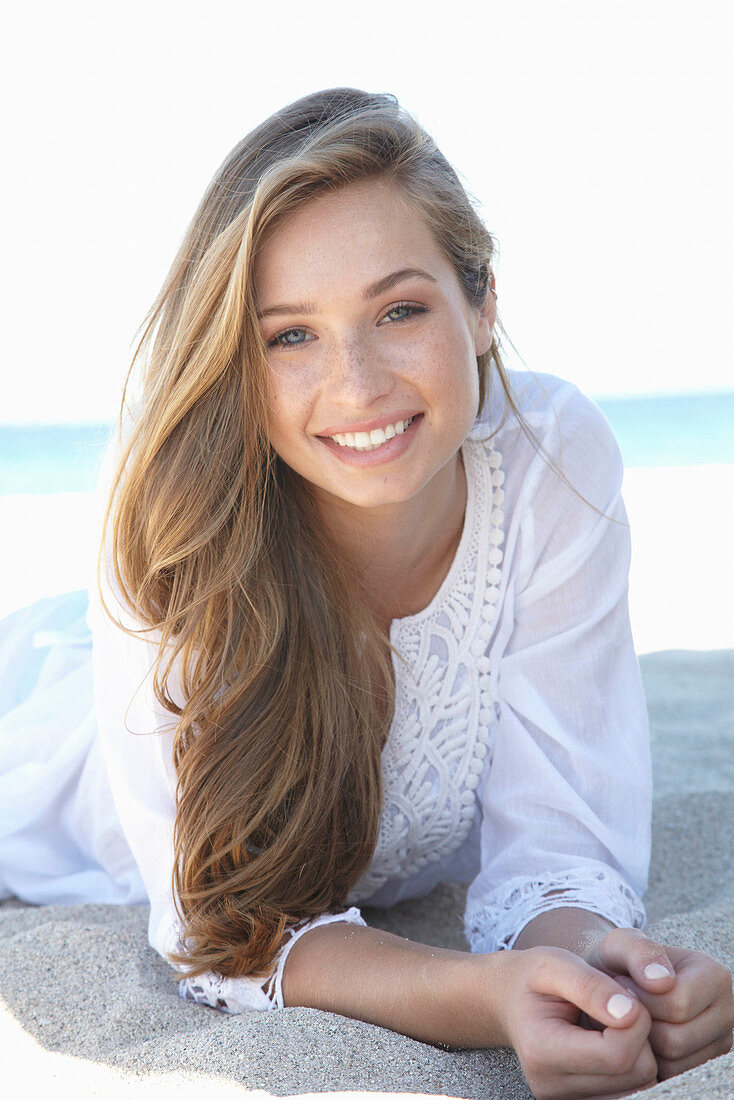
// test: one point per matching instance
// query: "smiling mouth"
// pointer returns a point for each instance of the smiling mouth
(371, 441)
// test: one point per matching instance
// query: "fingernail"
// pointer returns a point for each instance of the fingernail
(655, 970)
(619, 1005)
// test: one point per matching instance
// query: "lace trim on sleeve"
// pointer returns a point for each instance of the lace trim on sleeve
(494, 923)
(234, 995)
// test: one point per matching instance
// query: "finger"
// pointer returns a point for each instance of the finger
(641, 1074)
(701, 984)
(564, 975)
(669, 1068)
(629, 951)
(575, 1050)
(584, 1064)
(677, 1042)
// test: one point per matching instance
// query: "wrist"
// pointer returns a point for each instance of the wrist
(572, 928)
(487, 997)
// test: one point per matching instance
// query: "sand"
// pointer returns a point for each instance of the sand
(88, 1009)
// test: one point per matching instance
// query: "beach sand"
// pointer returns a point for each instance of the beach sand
(88, 1009)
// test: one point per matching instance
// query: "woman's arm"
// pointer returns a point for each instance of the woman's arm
(566, 803)
(429, 993)
(528, 1000)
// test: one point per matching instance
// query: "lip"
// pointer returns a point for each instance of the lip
(388, 452)
(368, 425)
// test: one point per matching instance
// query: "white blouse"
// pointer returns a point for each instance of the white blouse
(518, 757)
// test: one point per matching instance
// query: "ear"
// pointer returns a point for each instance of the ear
(486, 316)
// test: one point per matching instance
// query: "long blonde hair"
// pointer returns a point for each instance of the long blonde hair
(286, 676)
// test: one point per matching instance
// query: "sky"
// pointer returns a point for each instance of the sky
(596, 136)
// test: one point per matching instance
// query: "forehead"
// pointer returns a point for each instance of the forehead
(353, 235)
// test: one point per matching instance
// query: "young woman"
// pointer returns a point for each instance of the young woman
(361, 627)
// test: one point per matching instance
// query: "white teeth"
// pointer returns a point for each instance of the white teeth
(369, 441)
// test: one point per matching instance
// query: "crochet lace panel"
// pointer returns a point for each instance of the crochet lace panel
(495, 922)
(444, 709)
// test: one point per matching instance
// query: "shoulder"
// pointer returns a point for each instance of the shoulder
(567, 439)
(552, 407)
(562, 474)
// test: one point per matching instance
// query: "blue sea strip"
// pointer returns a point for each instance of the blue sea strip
(678, 430)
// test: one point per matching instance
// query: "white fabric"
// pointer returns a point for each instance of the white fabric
(518, 757)
(441, 729)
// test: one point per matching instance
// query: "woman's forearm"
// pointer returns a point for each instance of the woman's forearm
(574, 929)
(454, 998)
(432, 994)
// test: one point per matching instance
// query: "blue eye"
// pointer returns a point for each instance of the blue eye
(284, 339)
(411, 309)
(282, 336)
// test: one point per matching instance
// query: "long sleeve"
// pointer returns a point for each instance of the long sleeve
(136, 737)
(566, 805)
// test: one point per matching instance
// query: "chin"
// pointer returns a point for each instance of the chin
(370, 500)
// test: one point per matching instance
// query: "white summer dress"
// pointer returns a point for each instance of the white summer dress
(518, 756)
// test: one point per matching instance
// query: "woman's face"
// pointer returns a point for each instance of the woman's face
(371, 344)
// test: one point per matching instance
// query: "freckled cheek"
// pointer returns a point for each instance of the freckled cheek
(292, 402)
(448, 381)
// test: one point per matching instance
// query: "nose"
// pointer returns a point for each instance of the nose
(357, 377)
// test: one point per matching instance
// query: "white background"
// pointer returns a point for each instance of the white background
(597, 136)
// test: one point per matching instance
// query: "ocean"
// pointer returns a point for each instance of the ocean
(681, 430)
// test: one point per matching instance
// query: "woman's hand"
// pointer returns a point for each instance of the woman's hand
(545, 992)
(691, 1007)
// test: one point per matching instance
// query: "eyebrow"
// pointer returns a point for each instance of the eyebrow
(374, 290)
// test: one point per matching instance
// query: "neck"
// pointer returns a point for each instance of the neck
(403, 551)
